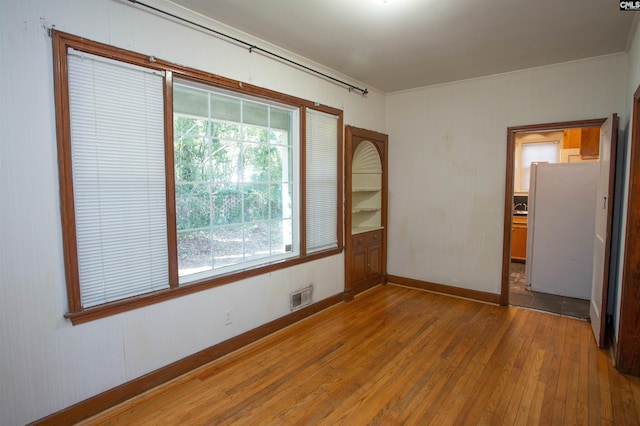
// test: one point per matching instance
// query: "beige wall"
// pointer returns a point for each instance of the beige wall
(447, 162)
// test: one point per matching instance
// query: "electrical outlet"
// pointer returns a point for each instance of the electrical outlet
(228, 317)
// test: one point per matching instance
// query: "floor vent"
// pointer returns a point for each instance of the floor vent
(301, 298)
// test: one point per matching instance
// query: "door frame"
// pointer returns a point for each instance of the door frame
(508, 199)
(627, 350)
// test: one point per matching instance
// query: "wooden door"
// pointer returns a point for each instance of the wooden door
(359, 266)
(374, 259)
(602, 241)
(628, 349)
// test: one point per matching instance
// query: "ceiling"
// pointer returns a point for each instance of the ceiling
(403, 44)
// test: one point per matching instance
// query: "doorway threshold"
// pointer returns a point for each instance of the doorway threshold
(520, 296)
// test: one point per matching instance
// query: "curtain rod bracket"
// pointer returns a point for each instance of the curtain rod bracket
(48, 28)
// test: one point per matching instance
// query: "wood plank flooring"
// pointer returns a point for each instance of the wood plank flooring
(400, 356)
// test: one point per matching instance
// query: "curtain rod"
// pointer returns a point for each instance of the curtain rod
(253, 47)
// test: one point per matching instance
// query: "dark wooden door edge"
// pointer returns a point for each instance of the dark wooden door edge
(628, 348)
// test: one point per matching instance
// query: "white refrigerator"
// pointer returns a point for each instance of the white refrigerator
(561, 228)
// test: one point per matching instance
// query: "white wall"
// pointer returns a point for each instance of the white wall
(47, 364)
(447, 162)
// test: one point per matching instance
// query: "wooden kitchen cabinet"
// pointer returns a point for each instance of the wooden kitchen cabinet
(590, 142)
(571, 138)
(366, 206)
(587, 139)
(519, 239)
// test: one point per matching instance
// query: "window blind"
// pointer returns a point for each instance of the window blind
(117, 144)
(322, 181)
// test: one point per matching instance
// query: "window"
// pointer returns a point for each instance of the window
(118, 178)
(173, 180)
(532, 152)
(235, 177)
(322, 181)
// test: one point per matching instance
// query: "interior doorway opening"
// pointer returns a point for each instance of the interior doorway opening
(557, 146)
(515, 226)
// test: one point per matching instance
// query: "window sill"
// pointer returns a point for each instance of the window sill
(112, 308)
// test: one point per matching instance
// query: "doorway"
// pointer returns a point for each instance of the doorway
(514, 289)
(569, 295)
(520, 295)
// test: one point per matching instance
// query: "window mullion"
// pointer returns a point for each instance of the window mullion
(304, 138)
(172, 238)
(209, 184)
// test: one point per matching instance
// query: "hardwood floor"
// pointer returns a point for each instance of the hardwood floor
(396, 355)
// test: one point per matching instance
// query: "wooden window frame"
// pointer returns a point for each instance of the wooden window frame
(294, 143)
(61, 43)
